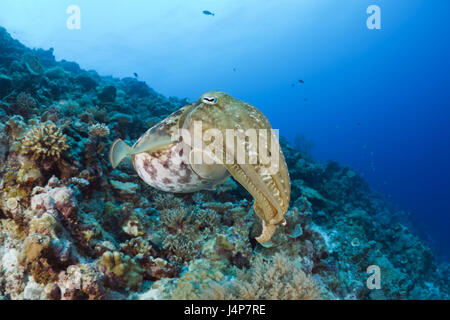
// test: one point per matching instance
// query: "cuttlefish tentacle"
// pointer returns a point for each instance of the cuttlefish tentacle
(267, 229)
(271, 191)
(263, 208)
(267, 205)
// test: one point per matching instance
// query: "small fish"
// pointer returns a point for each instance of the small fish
(293, 85)
(301, 81)
(135, 75)
(306, 99)
(234, 69)
(208, 13)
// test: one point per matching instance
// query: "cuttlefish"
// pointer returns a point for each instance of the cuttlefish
(165, 158)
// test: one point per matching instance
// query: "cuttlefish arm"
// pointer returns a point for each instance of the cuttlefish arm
(269, 188)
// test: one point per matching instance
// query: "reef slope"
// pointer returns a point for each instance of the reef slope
(71, 227)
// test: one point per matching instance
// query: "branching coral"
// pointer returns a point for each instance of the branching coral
(188, 227)
(99, 130)
(280, 278)
(44, 142)
(185, 219)
(167, 201)
(176, 220)
(181, 248)
(206, 218)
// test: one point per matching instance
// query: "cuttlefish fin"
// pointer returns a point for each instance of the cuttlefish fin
(120, 150)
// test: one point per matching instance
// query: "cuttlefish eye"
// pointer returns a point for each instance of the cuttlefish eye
(210, 99)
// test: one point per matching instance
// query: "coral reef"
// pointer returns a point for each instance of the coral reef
(72, 227)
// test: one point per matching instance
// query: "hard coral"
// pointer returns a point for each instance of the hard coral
(200, 275)
(181, 248)
(99, 130)
(55, 197)
(44, 142)
(25, 104)
(81, 282)
(123, 269)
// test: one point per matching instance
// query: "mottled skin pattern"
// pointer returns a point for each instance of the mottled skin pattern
(169, 169)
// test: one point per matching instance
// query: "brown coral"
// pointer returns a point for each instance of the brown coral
(122, 268)
(25, 104)
(34, 256)
(44, 142)
(79, 282)
(176, 220)
(181, 248)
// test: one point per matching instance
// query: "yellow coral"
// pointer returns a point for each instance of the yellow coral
(28, 172)
(88, 235)
(33, 248)
(123, 267)
(44, 142)
(10, 227)
(46, 224)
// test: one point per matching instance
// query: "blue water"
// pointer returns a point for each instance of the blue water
(377, 100)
